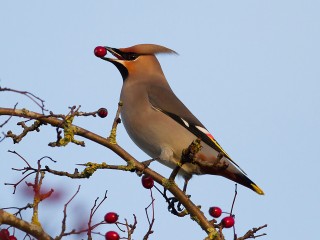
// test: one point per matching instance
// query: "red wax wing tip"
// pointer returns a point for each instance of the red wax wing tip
(210, 136)
(100, 51)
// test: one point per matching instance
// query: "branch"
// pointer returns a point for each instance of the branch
(63, 227)
(31, 96)
(32, 229)
(192, 209)
(250, 233)
(116, 121)
(6, 121)
(17, 138)
(150, 231)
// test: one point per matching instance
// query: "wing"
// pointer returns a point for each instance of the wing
(163, 99)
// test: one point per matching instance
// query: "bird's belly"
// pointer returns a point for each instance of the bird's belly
(156, 134)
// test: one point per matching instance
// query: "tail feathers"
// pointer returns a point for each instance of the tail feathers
(257, 189)
(245, 181)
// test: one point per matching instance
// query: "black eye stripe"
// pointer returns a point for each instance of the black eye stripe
(130, 56)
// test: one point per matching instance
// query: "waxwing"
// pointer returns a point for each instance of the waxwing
(159, 123)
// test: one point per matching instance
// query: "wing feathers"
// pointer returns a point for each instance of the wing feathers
(163, 99)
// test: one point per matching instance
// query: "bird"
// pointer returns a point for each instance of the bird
(159, 123)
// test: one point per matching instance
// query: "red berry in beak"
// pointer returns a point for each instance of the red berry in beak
(102, 112)
(100, 51)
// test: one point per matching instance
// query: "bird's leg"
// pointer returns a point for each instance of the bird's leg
(186, 180)
(116, 121)
(188, 156)
(175, 171)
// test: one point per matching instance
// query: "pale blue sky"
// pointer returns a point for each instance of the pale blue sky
(249, 70)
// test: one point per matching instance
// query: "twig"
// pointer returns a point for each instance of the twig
(38, 197)
(14, 152)
(191, 208)
(64, 220)
(113, 134)
(6, 121)
(26, 169)
(150, 231)
(31, 96)
(188, 156)
(250, 233)
(34, 230)
(93, 211)
(90, 169)
(29, 205)
(234, 200)
(68, 129)
(17, 138)
(130, 227)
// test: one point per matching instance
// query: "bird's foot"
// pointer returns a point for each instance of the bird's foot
(172, 201)
(174, 205)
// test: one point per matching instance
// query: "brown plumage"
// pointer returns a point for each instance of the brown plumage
(159, 123)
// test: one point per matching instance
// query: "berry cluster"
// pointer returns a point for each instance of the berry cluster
(226, 222)
(5, 235)
(111, 217)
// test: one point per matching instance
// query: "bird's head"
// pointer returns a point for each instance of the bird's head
(138, 59)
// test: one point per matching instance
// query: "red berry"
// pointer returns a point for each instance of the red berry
(147, 181)
(215, 212)
(227, 222)
(111, 217)
(12, 237)
(4, 234)
(100, 51)
(102, 112)
(112, 235)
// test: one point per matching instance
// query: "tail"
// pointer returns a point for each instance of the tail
(245, 181)
(237, 176)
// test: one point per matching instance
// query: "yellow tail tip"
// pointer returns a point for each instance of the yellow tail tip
(257, 189)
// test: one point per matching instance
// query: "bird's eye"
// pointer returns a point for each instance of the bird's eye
(132, 56)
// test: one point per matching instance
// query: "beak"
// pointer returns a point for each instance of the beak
(115, 52)
(118, 61)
